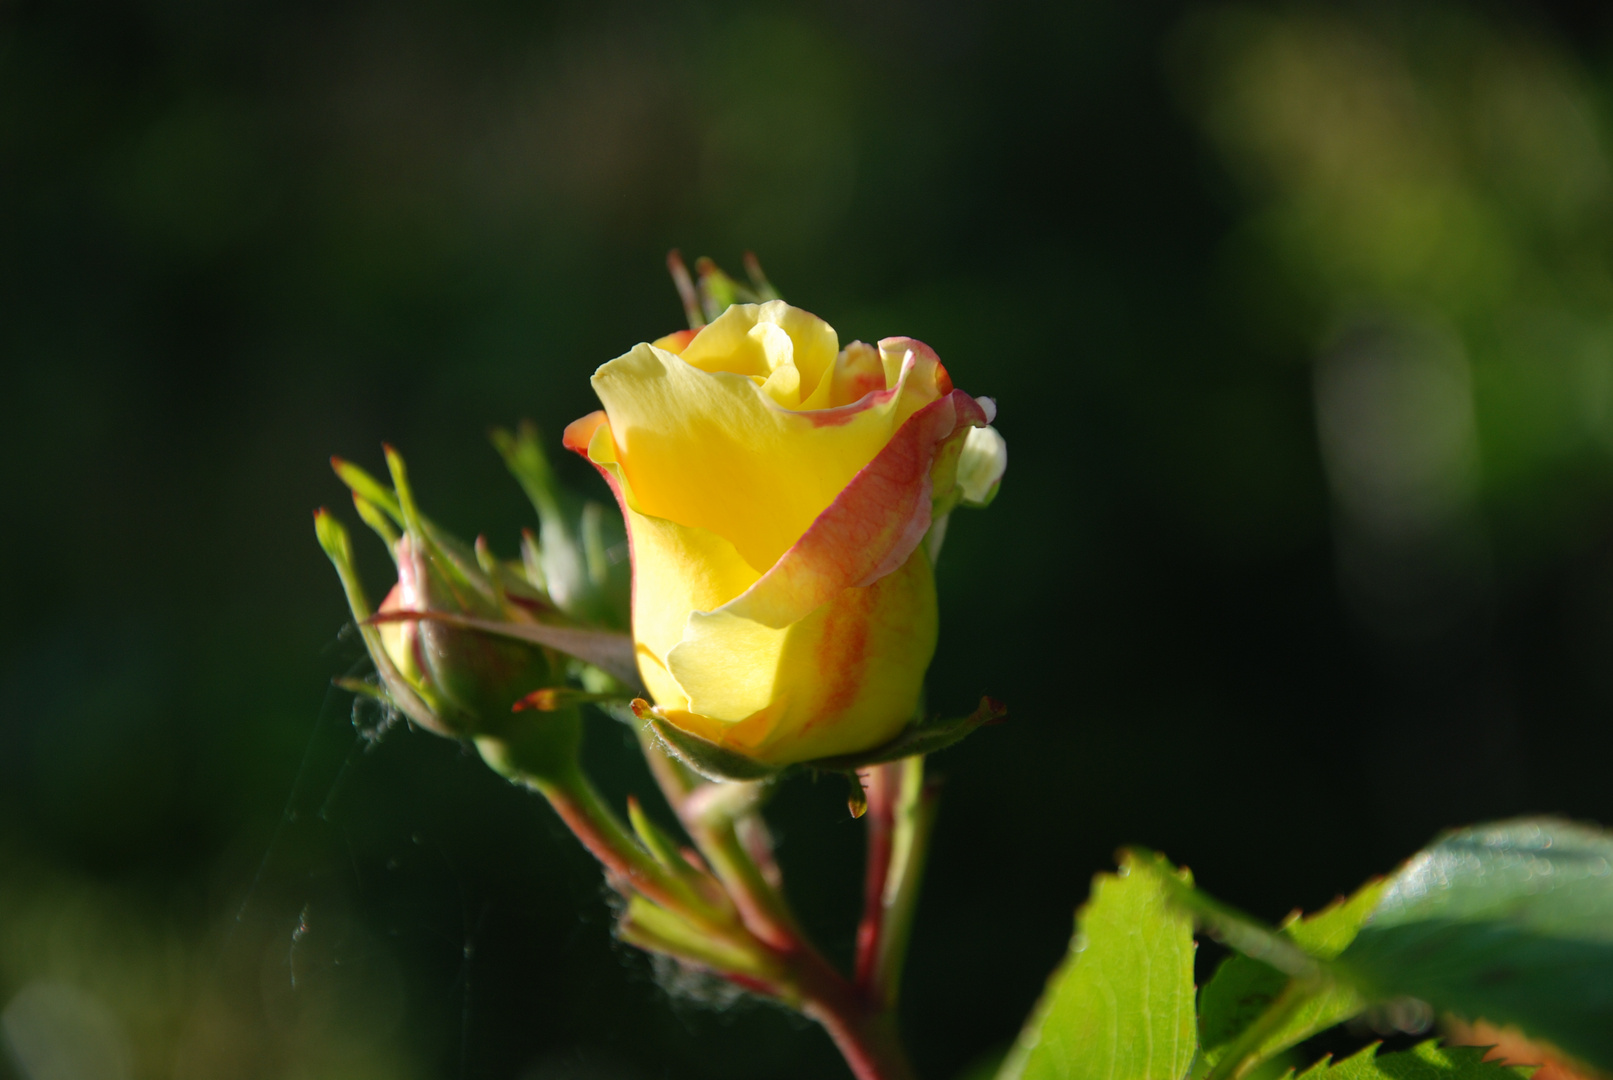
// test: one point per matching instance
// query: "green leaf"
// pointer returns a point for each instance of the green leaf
(1510, 922)
(1244, 990)
(1425, 1061)
(1120, 1007)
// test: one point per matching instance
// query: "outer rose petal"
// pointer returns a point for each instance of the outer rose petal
(871, 527)
(676, 569)
(844, 678)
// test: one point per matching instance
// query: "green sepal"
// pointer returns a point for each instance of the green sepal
(570, 556)
(609, 651)
(653, 928)
(379, 523)
(404, 695)
(338, 547)
(719, 763)
(363, 688)
(362, 483)
(718, 291)
(468, 680)
(922, 737)
(522, 451)
(596, 560)
(686, 290)
(455, 561)
(706, 758)
(762, 287)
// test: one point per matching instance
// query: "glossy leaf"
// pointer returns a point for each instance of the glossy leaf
(1244, 990)
(1121, 1004)
(1510, 922)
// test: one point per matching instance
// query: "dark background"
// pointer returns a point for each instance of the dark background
(1300, 320)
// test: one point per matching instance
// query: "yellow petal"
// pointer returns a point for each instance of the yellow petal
(712, 450)
(858, 371)
(790, 349)
(872, 526)
(845, 678)
(677, 570)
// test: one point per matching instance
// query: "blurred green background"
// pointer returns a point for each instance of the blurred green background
(1300, 320)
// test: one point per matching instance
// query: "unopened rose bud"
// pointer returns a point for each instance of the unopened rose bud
(450, 678)
(777, 490)
(472, 677)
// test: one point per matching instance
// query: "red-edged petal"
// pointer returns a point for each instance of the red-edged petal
(871, 527)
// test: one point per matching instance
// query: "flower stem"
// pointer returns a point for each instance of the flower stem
(864, 1034)
(579, 805)
(752, 886)
(861, 1024)
(901, 815)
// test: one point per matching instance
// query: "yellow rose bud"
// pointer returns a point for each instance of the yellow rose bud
(777, 489)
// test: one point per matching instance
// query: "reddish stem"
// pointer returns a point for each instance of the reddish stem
(740, 853)
(591, 821)
(864, 1034)
(882, 788)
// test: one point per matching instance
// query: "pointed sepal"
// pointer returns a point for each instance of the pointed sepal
(704, 757)
(923, 737)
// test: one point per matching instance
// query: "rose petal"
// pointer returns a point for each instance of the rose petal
(713, 451)
(871, 527)
(789, 348)
(845, 677)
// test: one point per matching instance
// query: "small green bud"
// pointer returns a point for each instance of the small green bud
(449, 678)
(473, 678)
